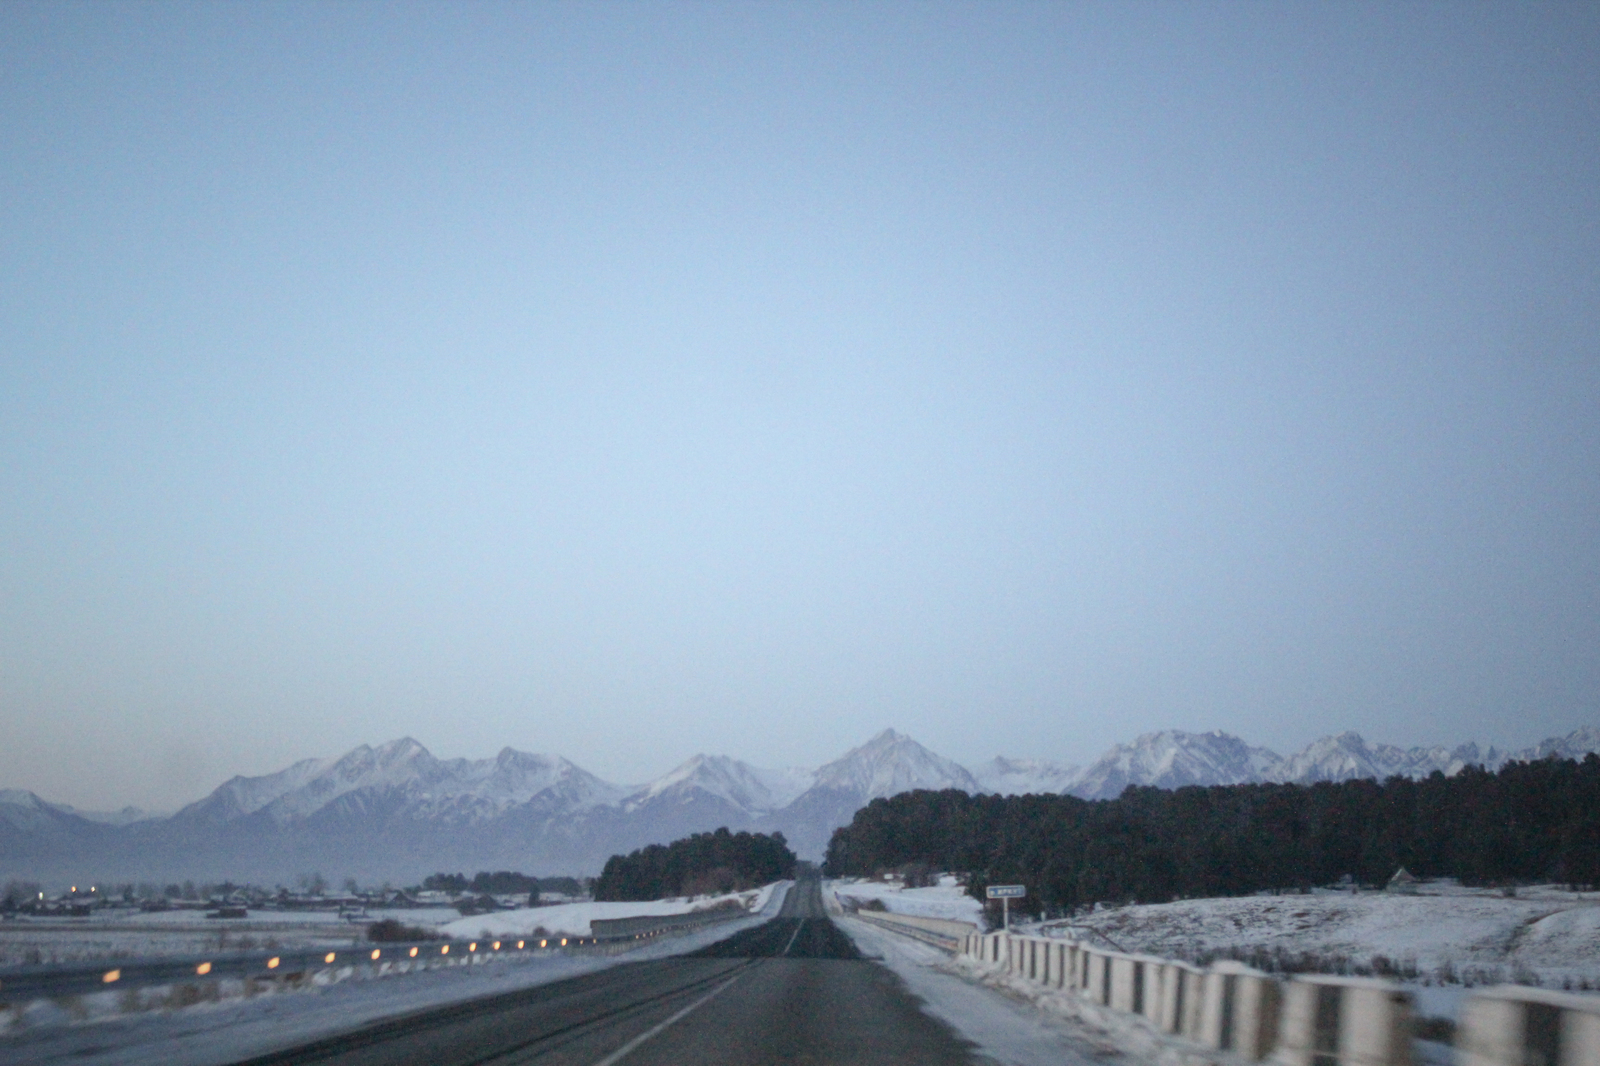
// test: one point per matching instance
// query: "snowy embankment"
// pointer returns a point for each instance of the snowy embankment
(572, 919)
(97, 1030)
(1441, 941)
(948, 900)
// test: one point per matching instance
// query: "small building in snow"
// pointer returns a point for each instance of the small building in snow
(1403, 883)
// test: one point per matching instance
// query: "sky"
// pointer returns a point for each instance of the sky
(627, 381)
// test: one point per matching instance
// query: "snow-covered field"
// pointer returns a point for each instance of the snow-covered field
(947, 900)
(119, 935)
(95, 1030)
(572, 919)
(131, 934)
(1445, 935)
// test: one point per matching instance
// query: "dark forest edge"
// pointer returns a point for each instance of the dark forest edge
(1530, 821)
(700, 864)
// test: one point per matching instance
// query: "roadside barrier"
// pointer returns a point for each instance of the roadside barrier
(20, 984)
(1181, 998)
(1344, 1021)
(940, 932)
(1237, 1013)
(1515, 1026)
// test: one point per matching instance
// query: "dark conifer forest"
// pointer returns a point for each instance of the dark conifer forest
(704, 862)
(1535, 821)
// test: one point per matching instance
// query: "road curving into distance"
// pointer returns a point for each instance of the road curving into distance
(793, 989)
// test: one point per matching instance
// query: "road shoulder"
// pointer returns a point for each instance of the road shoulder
(1003, 1029)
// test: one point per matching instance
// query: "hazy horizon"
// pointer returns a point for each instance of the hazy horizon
(969, 764)
(627, 381)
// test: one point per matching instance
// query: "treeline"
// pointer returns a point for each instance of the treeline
(1537, 821)
(700, 864)
(484, 883)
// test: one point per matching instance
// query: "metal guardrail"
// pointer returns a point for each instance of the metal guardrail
(951, 944)
(57, 980)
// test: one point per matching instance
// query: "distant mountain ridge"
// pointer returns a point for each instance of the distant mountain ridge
(396, 811)
(1172, 759)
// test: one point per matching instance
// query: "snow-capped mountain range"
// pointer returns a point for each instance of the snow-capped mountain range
(397, 811)
(1173, 759)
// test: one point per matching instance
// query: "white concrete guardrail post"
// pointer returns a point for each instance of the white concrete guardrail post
(1155, 987)
(1125, 993)
(1310, 1020)
(1344, 1021)
(1514, 1026)
(1182, 994)
(1239, 1012)
(1097, 977)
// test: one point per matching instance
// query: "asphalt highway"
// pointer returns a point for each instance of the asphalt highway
(793, 990)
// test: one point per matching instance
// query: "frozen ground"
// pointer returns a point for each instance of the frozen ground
(1446, 937)
(573, 919)
(95, 1032)
(947, 900)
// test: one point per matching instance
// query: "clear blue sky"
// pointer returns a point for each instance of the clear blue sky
(631, 380)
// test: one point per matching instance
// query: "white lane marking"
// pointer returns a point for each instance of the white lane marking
(621, 1052)
(795, 937)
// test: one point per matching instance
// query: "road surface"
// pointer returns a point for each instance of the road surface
(793, 990)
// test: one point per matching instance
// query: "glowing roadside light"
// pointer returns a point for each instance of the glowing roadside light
(445, 950)
(203, 969)
(544, 943)
(563, 941)
(497, 945)
(376, 953)
(111, 975)
(272, 963)
(328, 957)
(519, 945)
(413, 953)
(472, 946)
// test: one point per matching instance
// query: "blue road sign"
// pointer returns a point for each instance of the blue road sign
(1006, 891)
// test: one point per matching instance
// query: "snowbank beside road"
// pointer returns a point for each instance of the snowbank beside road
(1005, 1031)
(947, 900)
(572, 919)
(1438, 936)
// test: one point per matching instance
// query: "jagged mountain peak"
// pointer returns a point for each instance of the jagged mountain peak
(27, 811)
(720, 776)
(1575, 745)
(1019, 777)
(1173, 758)
(21, 797)
(891, 763)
